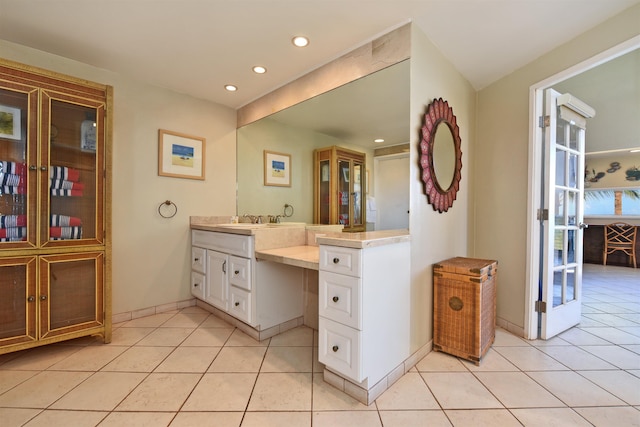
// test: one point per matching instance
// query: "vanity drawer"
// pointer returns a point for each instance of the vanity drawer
(340, 260)
(234, 244)
(240, 272)
(197, 285)
(198, 259)
(340, 300)
(339, 348)
(240, 304)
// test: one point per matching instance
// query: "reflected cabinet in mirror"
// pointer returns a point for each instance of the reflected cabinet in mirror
(441, 156)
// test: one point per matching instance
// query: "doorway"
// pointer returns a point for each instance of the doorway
(391, 196)
(537, 165)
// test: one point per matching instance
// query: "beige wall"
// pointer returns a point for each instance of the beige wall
(501, 158)
(151, 256)
(436, 236)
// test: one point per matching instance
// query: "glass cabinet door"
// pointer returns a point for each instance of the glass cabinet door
(18, 147)
(74, 132)
(325, 192)
(344, 192)
(357, 193)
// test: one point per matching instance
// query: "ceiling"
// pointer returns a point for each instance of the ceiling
(197, 46)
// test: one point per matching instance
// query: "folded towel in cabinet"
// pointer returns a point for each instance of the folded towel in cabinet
(66, 185)
(13, 168)
(64, 173)
(13, 189)
(13, 233)
(12, 179)
(64, 221)
(7, 221)
(67, 193)
(56, 233)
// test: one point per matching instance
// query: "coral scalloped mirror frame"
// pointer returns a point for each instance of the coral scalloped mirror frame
(439, 112)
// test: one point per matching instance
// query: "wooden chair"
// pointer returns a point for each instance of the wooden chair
(620, 236)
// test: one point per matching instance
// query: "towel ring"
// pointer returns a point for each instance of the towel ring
(289, 208)
(166, 213)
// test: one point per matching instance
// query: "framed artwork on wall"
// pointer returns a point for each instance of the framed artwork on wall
(10, 122)
(277, 169)
(180, 155)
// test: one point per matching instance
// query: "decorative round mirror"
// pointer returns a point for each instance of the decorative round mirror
(441, 157)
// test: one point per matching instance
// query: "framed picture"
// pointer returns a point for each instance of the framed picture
(10, 123)
(345, 174)
(180, 155)
(277, 169)
(88, 136)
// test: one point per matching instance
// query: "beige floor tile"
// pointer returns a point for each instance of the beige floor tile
(491, 362)
(288, 359)
(211, 337)
(482, 418)
(139, 359)
(430, 418)
(137, 419)
(92, 358)
(614, 335)
(189, 359)
(573, 389)
(608, 417)
(238, 359)
(317, 366)
(160, 392)
(103, 391)
(577, 336)
(326, 397)
(506, 339)
(555, 341)
(530, 359)
(148, 321)
(282, 392)
(40, 358)
(616, 355)
(168, 337)
(207, 419)
(129, 336)
(10, 379)
(576, 358)
(409, 392)
(277, 419)
(221, 392)
(300, 336)
(437, 361)
(17, 417)
(454, 390)
(621, 384)
(517, 390)
(185, 320)
(549, 417)
(42, 390)
(51, 418)
(214, 322)
(240, 339)
(346, 419)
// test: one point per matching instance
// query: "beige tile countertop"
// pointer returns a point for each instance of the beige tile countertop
(299, 256)
(366, 239)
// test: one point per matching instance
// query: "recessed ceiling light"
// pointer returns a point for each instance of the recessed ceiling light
(300, 41)
(259, 69)
(378, 140)
(231, 88)
(635, 151)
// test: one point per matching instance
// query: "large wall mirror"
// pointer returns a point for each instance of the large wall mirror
(441, 155)
(350, 116)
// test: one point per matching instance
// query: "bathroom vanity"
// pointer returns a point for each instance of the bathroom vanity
(256, 276)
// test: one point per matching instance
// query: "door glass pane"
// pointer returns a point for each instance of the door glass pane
(324, 179)
(558, 247)
(72, 281)
(343, 192)
(571, 246)
(559, 207)
(573, 170)
(560, 134)
(572, 207)
(561, 168)
(13, 301)
(558, 277)
(570, 292)
(13, 167)
(574, 136)
(72, 171)
(357, 194)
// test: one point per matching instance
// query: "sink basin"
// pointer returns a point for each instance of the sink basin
(286, 224)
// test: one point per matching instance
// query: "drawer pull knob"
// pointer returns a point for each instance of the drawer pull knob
(237, 272)
(237, 303)
(336, 260)
(336, 299)
(195, 285)
(335, 348)
(196, 259)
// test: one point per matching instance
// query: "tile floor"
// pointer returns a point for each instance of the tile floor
(189, 368)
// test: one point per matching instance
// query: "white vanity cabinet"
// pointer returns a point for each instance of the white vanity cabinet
(364, 310)
(260, 294)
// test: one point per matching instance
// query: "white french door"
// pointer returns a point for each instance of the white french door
(563, 198)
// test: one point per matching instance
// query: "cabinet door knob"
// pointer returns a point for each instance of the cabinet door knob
(43, 297)
(43, 168)
(335, 348)
(336, 260)
(33, 167)
(196, 259)
(31, 298)
(237, 303)
(237, 272)
(336, 299)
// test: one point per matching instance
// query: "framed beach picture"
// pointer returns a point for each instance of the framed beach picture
(277, 169)
(180, 155)
(10, 122)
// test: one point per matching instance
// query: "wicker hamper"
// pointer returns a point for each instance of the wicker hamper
(464, 307)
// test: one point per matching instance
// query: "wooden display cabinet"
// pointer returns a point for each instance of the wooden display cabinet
(339, 188)
(55, 172)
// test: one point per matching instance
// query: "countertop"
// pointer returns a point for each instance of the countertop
(299, 256)
(366, 239)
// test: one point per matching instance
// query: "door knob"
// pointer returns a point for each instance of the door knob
(335, 299)
(335, 348)
(582, 226)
